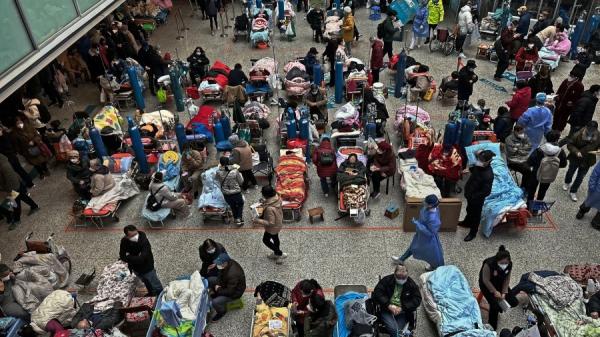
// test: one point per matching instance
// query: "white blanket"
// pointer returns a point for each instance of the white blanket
(417, 184)
(187, 294)
(59, 305)
(124, 189)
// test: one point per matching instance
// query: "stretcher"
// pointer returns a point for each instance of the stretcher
(211, 202)
(414, 181)
(291, 183)
(343, 294)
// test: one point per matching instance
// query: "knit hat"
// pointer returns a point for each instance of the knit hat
(522, 9)
(432, 200)
(234, 139)
(347, 10)
(540, 97)
(221, 259)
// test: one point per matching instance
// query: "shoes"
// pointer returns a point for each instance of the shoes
(497, 79)
(397, 260)
(566, 187)
(470, 237)
(33, 210)
(217, 317)
(212, 33)
(573, 196)
(195, 195)
(272, 256)
(281, 258)
(375, 195)
(462, 224)
(579, 215)
(594, 226)
(427, 41)
(326, 195)
(239, 222)
(462, 55)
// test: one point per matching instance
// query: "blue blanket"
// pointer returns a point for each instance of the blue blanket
(171, 172)
(506, 195)
(340, 326)
(256, 37)
(157, 216)
(211, 191)
(458, 308)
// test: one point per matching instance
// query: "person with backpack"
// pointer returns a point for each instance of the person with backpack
(324, 159)
(545, 163)
(537, 120)
(477, 188)
(272, 220)
(136, 251)
(582, 146)
(162, 197)
(593, 198)
(230, 180)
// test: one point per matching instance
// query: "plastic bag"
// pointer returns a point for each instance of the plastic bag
(102, 96)
(161, 96)
(64, 144)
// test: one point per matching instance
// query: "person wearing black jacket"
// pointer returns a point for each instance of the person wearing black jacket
(229, 286)
(198, 62)
(153, 63)
(7, 149)
(583, 110)
(548, 149)
(541, 24)
(478, 187)
(592, 307)
(208, 251)
(494, 279)
(466, 79)
(329, 53)
(236, 76)
(136, 250)
(399, 297)
(79, 174)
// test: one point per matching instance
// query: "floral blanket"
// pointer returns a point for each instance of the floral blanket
(565, 320)
(116, 284)
(355, 196)
(562, 290)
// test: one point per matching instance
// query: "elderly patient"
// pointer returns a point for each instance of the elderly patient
(101, 180)
(352, 171)
(9, 305)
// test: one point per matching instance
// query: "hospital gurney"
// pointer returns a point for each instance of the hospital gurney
(211, 202)
(291, 183)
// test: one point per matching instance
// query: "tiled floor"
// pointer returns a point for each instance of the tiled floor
(333, 252)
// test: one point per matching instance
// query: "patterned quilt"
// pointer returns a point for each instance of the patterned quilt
(116, 284)
(290, 185)
(565, 320)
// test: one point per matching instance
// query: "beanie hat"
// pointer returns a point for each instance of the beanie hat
(347, 10)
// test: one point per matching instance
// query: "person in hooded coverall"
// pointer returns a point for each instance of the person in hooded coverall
(426, 243)
(537, 121)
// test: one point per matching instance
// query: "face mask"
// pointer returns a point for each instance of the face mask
(309, 308)
(520, 135)
(433, 209)
(6, 278)
(314, 92)
(20, 125)
(221, 267)
(74, 160)
(479, 163)
(135, 238)
(400, 281)
(211, 251)
(530, 46)
(541, 18)
(198, 53)
(503, 266)
(115, 31)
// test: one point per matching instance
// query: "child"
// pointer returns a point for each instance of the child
(502, 124)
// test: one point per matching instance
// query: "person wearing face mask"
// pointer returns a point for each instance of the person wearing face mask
(541, 82)
(526, 56)
(541, 23)
(518, 148)
(389, 29)
(477, 188)
(101, 180)
(78, 173)
(426, 243)
(537, 120)
(545, 162)
(569, 91)
(272, 221)
(229, 286)
(321, 317)
(301, 294)
(209, 251)
(494, 279)
(135, 249)
(584, 109)
(198, 62)
(436, 15)
(28, 142)
(167, 198)
(466, 80)
(420, 29)
(8, 149)
(316, 99)
(519, 103)
(592, 200)
(382, 166)
(192, 164)
(465, 27)
(9, 305)
(582, 146)
(399, 297)
(230, 180)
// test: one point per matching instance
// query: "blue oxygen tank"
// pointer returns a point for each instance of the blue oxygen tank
(337, 4)
(138, 147)
(226, 123)
(258, 4)
(135, 86)
(371, 130)
(291, 129)
(98, 143)
(317, 74)
(219, 133)
(400, 78)
(467, 127)
(291, 114)
(280, 10)
(304, 128)
(451, 132)
(592, 26)
(576, 37)
(339, 82)
(175, 75)
(180, 133)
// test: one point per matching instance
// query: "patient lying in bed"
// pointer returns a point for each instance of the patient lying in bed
(352, 172)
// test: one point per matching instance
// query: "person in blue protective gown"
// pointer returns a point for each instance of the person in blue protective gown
(537, 121)
(426, 243)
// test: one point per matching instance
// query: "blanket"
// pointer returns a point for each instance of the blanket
(124, 189)
(263, 67)
(59, 305)
(355, 196)
(116, 284)
(343, 152)
(290, 185)
(417, 184)
(565, 320)
(109, 117)
(562, 290)
(255, 110)
(187, 295)
(340, 326)
(171, 167)
(259, 36)
(549, 57)
(333, 27)
(211, 191)
(458, 308)
(160, 118)
(413, 113)
(45, 265)
(30, 289)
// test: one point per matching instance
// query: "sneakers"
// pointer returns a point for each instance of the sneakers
(281, 258)
(375, 195)
(326, 195)
(33, 210)
(397, 260)
(566, 187)
(272, 256)
(217, 317)
(470, 237)
(573, 196)
(580, 214)
(497, 79)
(239, 222)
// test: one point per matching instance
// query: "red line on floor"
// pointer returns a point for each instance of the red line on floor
(70, 229)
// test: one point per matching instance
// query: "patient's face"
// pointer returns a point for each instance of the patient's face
(83, 324)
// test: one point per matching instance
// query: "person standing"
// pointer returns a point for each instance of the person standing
(348, 29)
(465, 27)
(541, 82)
(518, 149)
(519, 102)
(135, 249)
(420, 29)
(28, 142)
(229, 286)
(376, 57)
(231, 180)
(324, 159)
(582, 147)
(545, 162)
(524, 20)
(504, 49)
(329, 53)
(388, 30)
(426, 243)
(477, 188)
(526, 56)
(8, 149)
(271, 220)
(466, 79)
(16, 191)
(568, 93)
(315, 18)
(153, 63)
(494, 279)
(593, 198)
(213, 7)
(241, 155)
(537, 120)
(436, 15)
(584, 109)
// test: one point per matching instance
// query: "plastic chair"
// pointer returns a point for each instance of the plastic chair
(375, 13)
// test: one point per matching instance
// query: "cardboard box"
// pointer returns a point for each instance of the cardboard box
(449, 213)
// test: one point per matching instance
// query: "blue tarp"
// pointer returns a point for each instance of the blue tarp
(340, 326)
(456, 303)
(211, 191)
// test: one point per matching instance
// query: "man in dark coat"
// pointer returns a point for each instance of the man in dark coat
(230, 285)
(389, 29)
(567, 95)
(584, 108)
(466, 79)
(523, 24)
(136, 250)
(478, 187)
(543, 22)
(154, 64)
(399, 297)
(582, 147)
(7, 149)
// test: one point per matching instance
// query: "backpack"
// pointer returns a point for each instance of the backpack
(380, 29)
(152, 203)
(45, 116)
(548, 169)
(326, 158)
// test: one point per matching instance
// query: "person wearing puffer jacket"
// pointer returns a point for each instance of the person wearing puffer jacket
(520, 100)
(561, 45)
(242, 155)
(272, 220)
(231, 180)
(593, 198)
(436, 15)
(582, 147)
(167, 198)
(548, 149)
(465, 27)
(325, 162)
(32, 112)
(101, 180)
(518, 148)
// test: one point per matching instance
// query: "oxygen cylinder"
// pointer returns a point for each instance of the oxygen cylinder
(592, 26)
(219, 133)
(135, 86)
(291, 128)
(371, 130)
(98, 143)
(467, 127)
(304, 128)
(280, 9)
(291, 114)
(258, 4)
(576, 37)
(317, 74)
(180, 133)
(451, 133)
(138, 147)
(226, 123)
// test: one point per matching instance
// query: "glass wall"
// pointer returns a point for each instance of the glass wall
(45, 18)
(14, 41)
(84, 5)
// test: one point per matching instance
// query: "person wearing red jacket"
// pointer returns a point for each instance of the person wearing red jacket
(568, 93)
(520, 100)
(376, 57)
(324, 160)
(301, 294)
(526, 56)
(382, 166)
